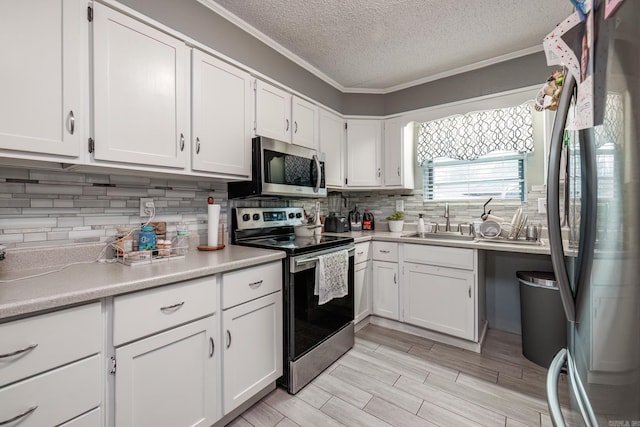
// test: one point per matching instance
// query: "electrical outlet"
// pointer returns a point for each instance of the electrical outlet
(147, 207)
(400, 205)
(542, 205)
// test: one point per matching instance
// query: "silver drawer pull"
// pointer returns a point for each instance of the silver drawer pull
(256, 285)
(17, 417)
(212, 347)
(173, 307)
(228, 338)
(17, 352)
(360, 253)
(384, 252)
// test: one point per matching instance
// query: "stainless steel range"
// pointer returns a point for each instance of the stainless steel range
(315, 335)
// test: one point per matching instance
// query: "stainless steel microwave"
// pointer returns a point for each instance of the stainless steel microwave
(282, 169)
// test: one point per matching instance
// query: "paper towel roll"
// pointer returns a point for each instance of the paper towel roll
(214, 219)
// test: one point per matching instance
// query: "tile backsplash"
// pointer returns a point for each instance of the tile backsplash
(50, 208)
(40, 208)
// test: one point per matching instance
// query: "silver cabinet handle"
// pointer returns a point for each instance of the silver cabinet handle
(295, 127)
(395, 278)
(17, 352)
(379, 173)
(383, 251)
(17, 417)
(360, 253)
(71, 122)
(256, 285)
(173, 307)
(469, 291)
(197, 145)
(228, 338)
(287, 120)
(181, 142)
(212, 347)
(398, 170)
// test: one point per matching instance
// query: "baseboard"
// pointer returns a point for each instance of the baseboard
(362, 323)
(246, 405)
(476, 347)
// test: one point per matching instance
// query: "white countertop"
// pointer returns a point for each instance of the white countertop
(484, 244)
(86, 282)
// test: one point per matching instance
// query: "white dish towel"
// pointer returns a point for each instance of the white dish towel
(332, 274)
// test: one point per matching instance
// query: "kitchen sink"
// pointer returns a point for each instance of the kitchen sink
(442, 235)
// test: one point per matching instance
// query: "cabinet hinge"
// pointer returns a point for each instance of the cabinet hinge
(112, 361)
(90, 13)
(92, 145)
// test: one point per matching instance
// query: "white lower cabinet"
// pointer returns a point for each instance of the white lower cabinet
(252, 355)
(385, 289)
(169, 378)
(362, 289)
(440, 299)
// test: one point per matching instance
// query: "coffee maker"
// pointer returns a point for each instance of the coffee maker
(335, 222)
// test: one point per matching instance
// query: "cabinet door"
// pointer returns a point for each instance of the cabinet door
(140, 92)
(332, 134)
(169, 379)
(273, 112)
(362, 289)
(304, 116)
(222, 117)
(392, 153)
(385, 289)
(364, 153)
(253, 348)
(440, 299)
(43, 72)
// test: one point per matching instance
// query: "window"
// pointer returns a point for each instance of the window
(476, 155)
(499, 175)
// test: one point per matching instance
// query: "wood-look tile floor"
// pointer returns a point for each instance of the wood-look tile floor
(391, 378)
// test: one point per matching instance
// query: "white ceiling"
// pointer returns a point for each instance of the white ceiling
(385, 45)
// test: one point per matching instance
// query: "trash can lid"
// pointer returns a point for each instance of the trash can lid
(540, 278)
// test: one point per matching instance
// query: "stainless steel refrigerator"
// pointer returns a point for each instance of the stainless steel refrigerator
(594, 232)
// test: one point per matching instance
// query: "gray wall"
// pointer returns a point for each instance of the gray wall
(202, 24)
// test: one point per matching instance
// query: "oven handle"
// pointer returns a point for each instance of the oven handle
(300, 262)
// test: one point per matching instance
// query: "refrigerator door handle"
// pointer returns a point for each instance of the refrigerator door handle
(553, 375)
(553, 200)
(580, 394)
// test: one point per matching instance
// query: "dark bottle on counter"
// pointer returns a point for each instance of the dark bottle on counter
(368, 222)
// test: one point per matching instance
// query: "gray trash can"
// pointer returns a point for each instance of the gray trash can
(544, 324)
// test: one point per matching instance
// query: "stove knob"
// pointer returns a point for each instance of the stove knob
(256, 217)
(298, 215)
(246, 217)
(291, 215)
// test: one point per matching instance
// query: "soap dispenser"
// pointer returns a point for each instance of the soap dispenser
(421, 228)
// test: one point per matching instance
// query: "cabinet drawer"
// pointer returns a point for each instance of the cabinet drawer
(385, 251)
(440, 256)
(362, 253)
(250, 283)
(142, 313)
(90, 419)
(57, 395)
(48, 340)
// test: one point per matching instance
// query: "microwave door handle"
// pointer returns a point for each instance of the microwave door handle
(318, 179)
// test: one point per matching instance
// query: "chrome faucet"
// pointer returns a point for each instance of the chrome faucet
(447, 226)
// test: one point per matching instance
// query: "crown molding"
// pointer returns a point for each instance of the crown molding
(245, 26)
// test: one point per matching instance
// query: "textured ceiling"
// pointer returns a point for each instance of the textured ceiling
(380, 45)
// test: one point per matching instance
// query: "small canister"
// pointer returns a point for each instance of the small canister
(164, 247)
(147, 239)
(532, 232)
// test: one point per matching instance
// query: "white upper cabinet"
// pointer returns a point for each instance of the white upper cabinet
(304, 118)
(43, 74)
(273, 112)
(398, 154)
(140, 91)
(331, 139)
(285, 117)
(222, 117)
(364, 153)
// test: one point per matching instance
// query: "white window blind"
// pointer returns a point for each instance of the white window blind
(500, 175)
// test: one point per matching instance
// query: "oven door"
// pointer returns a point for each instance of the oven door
(288, 169)
(310, 324)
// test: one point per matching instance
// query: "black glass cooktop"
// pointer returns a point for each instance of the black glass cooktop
(297, 245)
